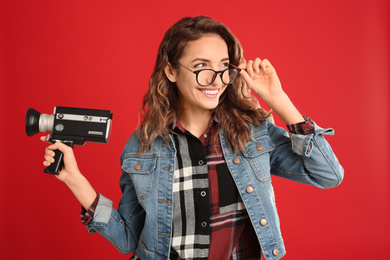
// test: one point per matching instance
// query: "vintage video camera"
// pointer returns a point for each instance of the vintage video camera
(71, 126)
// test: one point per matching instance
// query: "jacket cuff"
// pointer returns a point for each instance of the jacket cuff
(303, 144)
(102, 214)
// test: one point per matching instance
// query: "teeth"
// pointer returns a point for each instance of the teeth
(210, 92)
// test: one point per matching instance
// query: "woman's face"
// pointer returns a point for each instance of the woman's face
(208, 52)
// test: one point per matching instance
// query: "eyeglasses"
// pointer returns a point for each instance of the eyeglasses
(206, 77)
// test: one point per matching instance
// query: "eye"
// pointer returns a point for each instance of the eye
(200, 65)
(225, 64)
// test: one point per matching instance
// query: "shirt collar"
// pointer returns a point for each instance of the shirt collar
(177, 125)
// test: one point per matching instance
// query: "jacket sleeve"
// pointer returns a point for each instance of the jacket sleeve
(121, 227)
(307, 159)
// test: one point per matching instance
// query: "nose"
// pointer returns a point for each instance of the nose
(218, 79)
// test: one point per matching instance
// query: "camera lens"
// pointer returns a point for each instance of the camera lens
(32, 122)
(46, 123)
(37, 122)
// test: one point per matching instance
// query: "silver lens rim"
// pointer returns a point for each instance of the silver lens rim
(46, 123)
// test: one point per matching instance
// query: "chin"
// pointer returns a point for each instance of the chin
(211, 105)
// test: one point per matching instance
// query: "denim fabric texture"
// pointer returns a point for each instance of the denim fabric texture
(144, 216)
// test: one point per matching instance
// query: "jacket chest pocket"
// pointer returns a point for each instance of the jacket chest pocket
(258, 155)
(141, 173)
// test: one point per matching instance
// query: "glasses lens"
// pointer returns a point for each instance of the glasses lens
(229, 76)
(206, 77)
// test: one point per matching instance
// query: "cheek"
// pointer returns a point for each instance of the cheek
(186, 82)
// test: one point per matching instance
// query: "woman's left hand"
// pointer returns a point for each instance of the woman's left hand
(260, 76)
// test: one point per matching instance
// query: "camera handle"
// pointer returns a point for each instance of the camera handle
(58, 163)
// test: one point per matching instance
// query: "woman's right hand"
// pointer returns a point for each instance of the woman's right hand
(70, 168)
(70, 173)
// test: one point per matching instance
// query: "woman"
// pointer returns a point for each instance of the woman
(196, 175)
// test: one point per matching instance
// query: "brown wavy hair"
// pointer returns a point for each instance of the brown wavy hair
(236, 109)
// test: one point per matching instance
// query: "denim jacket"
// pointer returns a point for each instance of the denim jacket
(143, 221)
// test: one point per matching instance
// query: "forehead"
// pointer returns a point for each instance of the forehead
(211, 47)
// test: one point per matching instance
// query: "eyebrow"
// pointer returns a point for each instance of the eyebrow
(206, 60)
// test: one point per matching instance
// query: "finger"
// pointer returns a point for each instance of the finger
(59, 146)
(51, 148)
(244, 74)
(256, 65)
(249, 68)
(49, 158)
(49, 152)
(46, 163)
(265, 64)
(45, 138)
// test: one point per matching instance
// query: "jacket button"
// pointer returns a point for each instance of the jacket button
(138, 166)
(263, 222)
(249, 189)
(259, 147)
(275, 252)
(236, 160)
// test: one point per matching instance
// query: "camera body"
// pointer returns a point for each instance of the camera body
(81, 125)
(71, 126)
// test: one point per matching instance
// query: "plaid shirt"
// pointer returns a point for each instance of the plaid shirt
(209, 220)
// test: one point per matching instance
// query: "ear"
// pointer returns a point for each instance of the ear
(170, 72)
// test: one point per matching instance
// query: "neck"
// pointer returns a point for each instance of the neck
(196, 122)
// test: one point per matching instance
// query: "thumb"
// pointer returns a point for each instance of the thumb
(248, 80)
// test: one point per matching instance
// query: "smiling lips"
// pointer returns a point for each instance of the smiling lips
(211, 93)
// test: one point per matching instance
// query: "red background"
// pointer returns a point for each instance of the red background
(331, 56)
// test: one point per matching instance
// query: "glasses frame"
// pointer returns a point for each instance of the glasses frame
(196, 72)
